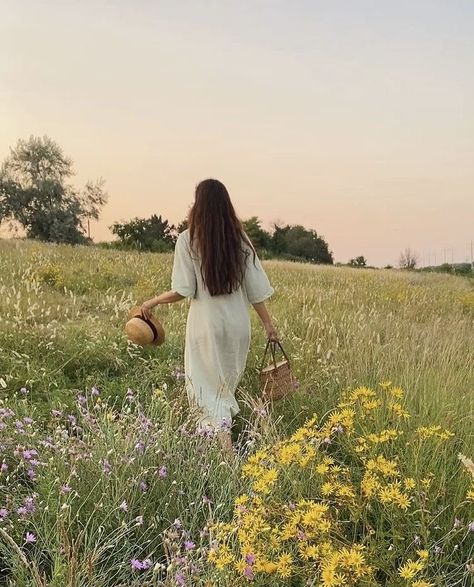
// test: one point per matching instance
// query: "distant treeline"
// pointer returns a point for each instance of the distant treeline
(291, 242)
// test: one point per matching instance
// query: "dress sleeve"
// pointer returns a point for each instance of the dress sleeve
(183, 278)
(256, 282)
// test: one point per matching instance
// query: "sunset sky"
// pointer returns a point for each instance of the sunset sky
(355, 118)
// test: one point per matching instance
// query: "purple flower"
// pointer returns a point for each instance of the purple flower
(95, 391)
(250, 559)
(146, 564)
(66, 488)
(177, 523)
(180, 580)
(140, 447)
(137, 565)
(438, 549)
(163, 472)
(56, 413)
(22, 511)
(72, 419)
(143, 486)
(470, 526)
(30, 505)
(106, 466)
(19, 425)
(30, 538)
(3, 513)
(249, 574)
(24, 391)
(189, 545)
(29, 453)
(124, 506)
(3, 467)
(31, 474)
(27, 420)
(81, 399)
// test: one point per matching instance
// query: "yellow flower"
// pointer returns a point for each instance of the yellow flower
(284, 565)
(385, 384)
(397, 392)
(410, 569)
(399, 410)
(422, 583)
(470, 494)
(266, 481)
(423, 554)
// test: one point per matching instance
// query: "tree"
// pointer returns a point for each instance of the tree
(408, 259)
(182, 226)
(358, 262)
(35, 192)
(308, 245)
(260, 238)
(148, 234)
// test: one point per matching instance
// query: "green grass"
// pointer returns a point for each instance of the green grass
(62, 312)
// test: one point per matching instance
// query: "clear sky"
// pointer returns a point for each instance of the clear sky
(353, 117)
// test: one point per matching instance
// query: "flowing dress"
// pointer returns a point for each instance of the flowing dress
(217, 332)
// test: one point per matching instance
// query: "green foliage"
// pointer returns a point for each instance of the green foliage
(291, 242)
(147, 234)
(35, 192)
(358, 262)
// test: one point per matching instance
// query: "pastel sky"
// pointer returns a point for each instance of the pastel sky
(355, 118)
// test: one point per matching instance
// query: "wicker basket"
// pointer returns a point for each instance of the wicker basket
(276, 379)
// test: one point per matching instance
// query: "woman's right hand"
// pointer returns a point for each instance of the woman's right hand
(272, 334)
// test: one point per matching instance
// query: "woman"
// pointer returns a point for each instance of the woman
(216, 266)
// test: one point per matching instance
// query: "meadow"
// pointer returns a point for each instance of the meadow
(354, 480)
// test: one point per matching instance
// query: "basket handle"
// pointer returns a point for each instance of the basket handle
(272, 345)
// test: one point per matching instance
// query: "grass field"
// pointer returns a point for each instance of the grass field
(105, 483)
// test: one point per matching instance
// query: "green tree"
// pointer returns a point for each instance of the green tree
(260, 238)
(147, 234)
(307, 245)
(360, 261)
(35, 192)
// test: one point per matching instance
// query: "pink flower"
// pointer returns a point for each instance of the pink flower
(30, 538)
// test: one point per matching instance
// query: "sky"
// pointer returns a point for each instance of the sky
(354, 117)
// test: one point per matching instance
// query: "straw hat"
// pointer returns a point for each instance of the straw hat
(142, 331)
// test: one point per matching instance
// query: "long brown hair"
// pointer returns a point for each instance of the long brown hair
(217, 235)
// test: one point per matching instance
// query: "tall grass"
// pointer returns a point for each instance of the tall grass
(122, 476)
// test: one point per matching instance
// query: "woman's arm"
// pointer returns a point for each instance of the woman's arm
(264, 316)
(167, 297)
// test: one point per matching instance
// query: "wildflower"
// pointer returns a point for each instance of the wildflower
(163, 472)
(137, 565)
(143, 486)
(124, 506)
(470, 526)
(410, 569)
(72, 419)
(3, 513)
(95, 391)
(180, 580)
(24, 391)
(30, 538)
(56, 413)
(140, 447)
(81, 399)
(106, 466)
(146, 564)
(3, 467)
(457, 523)
(189, 545)
(66, 488)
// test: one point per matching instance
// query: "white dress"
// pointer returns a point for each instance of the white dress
(217, 333)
